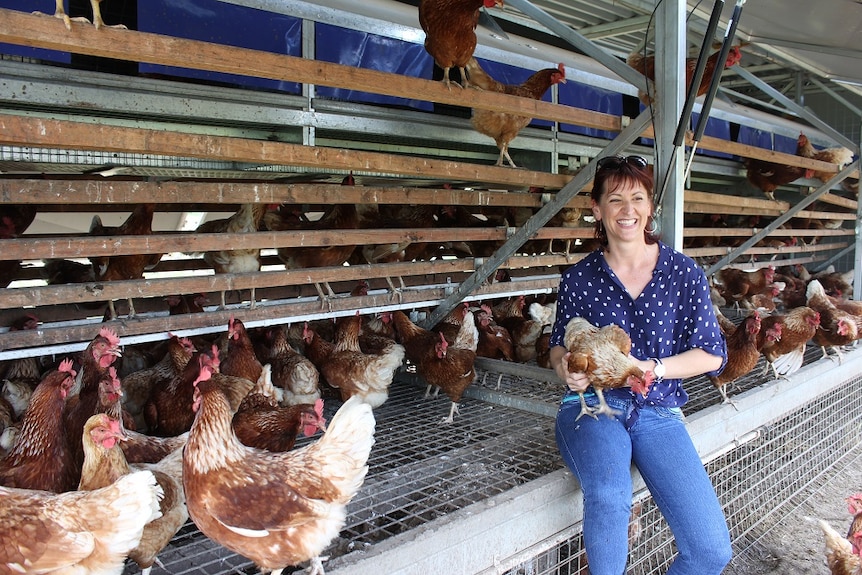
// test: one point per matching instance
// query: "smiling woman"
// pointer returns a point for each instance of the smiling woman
(660, 299)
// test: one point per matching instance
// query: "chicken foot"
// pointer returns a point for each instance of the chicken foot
(726, 399)
(315, 565)
(603, 407)
(504, 153)
(325, 300)
(452, 411)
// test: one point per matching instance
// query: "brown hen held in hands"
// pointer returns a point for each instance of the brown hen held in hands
(603, 354)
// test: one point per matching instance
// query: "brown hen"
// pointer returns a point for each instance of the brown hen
(646, 66)
(41, 457)
(230, 490)
(450, 36)
(105, 463)
(504, 126)
(127, 267)
(603, 354)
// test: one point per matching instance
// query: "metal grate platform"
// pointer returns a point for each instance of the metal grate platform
(760, 484)
(421, 470)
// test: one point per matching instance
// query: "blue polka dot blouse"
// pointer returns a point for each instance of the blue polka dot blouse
(673, 314)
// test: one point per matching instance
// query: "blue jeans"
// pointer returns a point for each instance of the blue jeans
(600, 452)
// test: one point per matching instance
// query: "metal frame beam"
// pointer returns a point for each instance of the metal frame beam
(796, 108)
(538, 220)
(775, 224)
(580, 42)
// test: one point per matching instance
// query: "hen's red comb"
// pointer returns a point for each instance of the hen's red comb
(110, 335)
(66, 365)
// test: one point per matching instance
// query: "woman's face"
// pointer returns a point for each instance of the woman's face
(625, 212)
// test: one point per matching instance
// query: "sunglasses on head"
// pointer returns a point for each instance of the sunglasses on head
(616, 162)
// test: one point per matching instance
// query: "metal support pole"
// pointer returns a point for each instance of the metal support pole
(537, 221)
(857, 267)
(670, 80)
(309, 91)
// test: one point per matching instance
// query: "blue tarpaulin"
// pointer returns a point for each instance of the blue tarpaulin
(588, 97)
(373, 52)
(715, 128)
(222, 23)
(46, 7)
(754, 137)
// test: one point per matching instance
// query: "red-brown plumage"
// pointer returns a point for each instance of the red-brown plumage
(240, 359)
(317, 350)
(768, 176)
(504, 126)
(797, 327)
(168, 411)
(742, 354)
(837, 327)
(337, 217)
(142, 448)
(353, 372)
(24, 371)
(41, 458)
(840, 156)
(137, 386)
(524, 330)
(603, 354)
(291, 371)
(450, 36)
(246, 220)
(128, 267)
(105, 463)
(840, 555)
(266, 425)
(646, 66)
(415, 339)
(230, 488)
(77, 531)
(96, 360)
(448, 367)
(495, 341)
(740, 286)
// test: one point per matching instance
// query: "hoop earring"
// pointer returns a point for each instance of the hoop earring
(653, 227)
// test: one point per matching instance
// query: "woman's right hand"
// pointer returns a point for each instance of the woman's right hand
(576, 381)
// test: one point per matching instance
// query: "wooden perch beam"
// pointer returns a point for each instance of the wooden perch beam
(101, 192)
(50, 33)
(40, 32)
(40, 132)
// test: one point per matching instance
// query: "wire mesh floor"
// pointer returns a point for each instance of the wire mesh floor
(420, 470)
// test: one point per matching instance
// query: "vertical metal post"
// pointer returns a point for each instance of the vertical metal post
(308, 90)
(857, 253)
(670, 78)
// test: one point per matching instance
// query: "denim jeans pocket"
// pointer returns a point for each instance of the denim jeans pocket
(669, 412)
